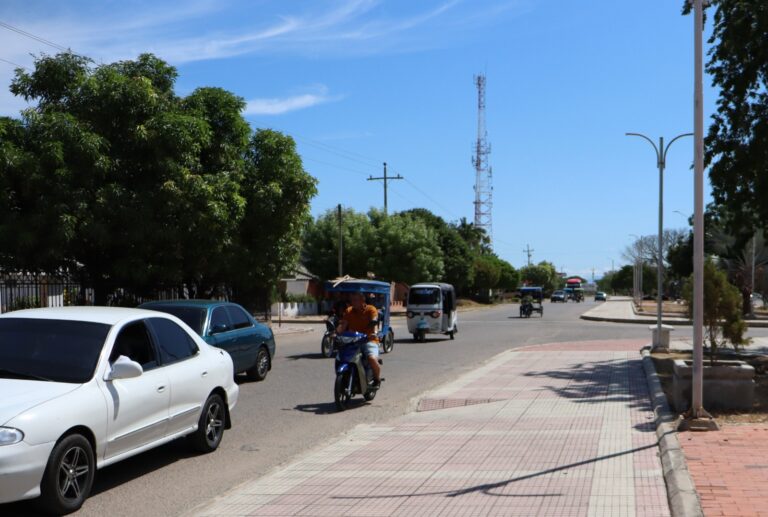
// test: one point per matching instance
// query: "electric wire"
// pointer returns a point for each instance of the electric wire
(13, 64)
(39, 39)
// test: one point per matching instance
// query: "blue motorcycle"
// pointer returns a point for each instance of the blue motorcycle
(353, 373)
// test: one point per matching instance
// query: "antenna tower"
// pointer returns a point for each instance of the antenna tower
(483, 172)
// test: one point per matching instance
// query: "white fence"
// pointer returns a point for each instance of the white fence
(292, 309)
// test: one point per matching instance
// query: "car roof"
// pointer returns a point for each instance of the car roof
(185, 303)
(106, 315)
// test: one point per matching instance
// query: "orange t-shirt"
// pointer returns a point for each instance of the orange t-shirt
(360, 321)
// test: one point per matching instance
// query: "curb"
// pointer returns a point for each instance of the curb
(750, 323)
(681, 491)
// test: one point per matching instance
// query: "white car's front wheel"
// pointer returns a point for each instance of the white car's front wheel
(68, 477)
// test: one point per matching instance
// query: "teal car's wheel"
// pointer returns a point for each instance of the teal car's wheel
(260, 369)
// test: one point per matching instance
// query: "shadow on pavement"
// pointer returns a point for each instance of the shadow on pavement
(598, 382)
(310, 355)
(487, 488)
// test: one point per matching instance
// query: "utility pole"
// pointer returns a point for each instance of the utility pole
(593, 275)
(386, 179)
(528, 251)
(341, 241)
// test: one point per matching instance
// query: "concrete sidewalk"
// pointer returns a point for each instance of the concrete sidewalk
(620, 310)
(564, 430)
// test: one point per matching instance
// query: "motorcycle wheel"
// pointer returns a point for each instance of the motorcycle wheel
(389, 343)
(369, 395)
(326, 347)
(340, 394)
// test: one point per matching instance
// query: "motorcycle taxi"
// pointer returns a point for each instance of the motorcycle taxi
(431, 309)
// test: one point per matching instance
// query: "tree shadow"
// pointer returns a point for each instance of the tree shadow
(489, 488)
(597, 382)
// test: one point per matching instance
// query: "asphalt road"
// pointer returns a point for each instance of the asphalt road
(293, 410)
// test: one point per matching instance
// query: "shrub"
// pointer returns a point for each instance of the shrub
(723, 322)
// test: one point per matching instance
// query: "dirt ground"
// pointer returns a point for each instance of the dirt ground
(759, 414)
(669, 308)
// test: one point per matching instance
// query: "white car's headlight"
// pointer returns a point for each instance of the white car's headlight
(9, 436)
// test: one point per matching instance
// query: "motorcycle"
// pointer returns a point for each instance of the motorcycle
(354, 375)
(326, 345)
(526, 309)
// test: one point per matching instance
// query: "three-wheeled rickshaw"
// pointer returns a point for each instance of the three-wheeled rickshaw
(377, 294)
(530, 301)
(431, 309)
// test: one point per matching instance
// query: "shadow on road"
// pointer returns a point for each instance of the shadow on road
(118, 474)
(311, 355)
(328, 408)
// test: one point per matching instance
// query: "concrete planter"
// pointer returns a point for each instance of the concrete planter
(727, 385)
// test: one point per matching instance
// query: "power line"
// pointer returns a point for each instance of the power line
(39, 39)
(13, 64)
(347, 155)
(431, 199)
(340, 167)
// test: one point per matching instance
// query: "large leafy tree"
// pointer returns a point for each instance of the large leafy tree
(113, 176)
(277, 192)
(737, 142)
(457, 254)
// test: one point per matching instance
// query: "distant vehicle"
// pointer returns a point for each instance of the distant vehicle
(432, 310)
(530, 301)
(227, 326)
(558, 296)
(86, 387)
(600, 296)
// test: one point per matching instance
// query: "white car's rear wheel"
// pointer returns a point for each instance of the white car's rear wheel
(68, 477)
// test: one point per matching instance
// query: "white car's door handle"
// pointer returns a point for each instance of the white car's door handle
(204, 374)
(160, 389)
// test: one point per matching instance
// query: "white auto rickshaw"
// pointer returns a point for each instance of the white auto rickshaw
(431, 310)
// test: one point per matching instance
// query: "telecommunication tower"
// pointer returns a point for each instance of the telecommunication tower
(483, 172)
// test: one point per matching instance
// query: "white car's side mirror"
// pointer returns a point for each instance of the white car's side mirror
(124, 368)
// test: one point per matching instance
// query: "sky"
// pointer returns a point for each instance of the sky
(362, 82)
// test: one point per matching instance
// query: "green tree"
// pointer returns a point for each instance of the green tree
(543, 274)
(722, 309)
(321, 244)
(398, 247)
(509, 277)
(456, 253)
(487, 273)
(277, 192)
(737, 142)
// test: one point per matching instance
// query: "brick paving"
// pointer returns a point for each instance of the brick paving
(730, 469)
(561, 430)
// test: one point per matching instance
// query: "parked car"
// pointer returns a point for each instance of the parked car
(227, 326)
(558, 296)
(600, 296)
(86, 387)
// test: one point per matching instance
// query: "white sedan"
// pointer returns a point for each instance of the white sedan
(85, 387)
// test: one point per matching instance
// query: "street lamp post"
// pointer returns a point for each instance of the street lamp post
(697, 417)
(661, 159)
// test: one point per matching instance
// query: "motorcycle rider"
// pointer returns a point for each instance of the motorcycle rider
(362, 317)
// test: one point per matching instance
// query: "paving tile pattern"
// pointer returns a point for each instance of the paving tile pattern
(566, 431)
(730, 469)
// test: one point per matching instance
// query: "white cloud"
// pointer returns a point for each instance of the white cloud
(280, 105)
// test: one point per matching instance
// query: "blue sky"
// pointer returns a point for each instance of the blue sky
(360, 82)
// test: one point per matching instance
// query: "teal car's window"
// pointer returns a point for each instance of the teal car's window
(240, 319)
(173, 342)
(192, 316)
(219, 319)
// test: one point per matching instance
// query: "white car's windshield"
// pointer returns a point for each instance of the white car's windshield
(54, 350)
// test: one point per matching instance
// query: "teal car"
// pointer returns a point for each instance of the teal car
(227, 326)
